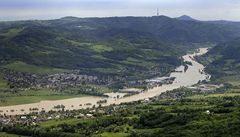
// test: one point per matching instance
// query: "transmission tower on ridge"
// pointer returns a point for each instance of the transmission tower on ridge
(157, 12)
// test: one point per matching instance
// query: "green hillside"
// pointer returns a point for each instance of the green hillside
(115, 46)
(50, 45)
(223, 61)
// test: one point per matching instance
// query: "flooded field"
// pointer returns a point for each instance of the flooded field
(191, 76)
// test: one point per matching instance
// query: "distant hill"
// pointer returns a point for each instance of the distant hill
(161, 27)
(123, 46)
(186, 17)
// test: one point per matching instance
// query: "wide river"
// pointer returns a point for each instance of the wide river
(193, 75)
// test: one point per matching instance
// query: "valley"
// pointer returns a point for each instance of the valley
(119, 76)
(182, 78)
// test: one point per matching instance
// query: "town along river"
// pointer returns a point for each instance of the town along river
(191, 76)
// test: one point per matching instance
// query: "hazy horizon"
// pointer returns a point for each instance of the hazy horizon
(11, 10)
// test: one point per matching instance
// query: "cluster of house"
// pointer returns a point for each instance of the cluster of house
(58, 81)
(36, 118)
(131, 90)
(204, 88)
(12, 120)
(74, 78)
(149, 83)
(159, 81)
(19, 79)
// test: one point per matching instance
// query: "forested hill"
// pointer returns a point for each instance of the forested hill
(224, 59)
(161, 27)
(117, 45)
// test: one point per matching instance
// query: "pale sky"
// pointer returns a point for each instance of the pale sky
(51, 9)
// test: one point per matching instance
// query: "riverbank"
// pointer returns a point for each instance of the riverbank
(182, 78)
(170, 111)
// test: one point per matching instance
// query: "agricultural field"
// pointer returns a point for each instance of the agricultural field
(24, 67)
(33, 96)
(10, 135)
(101, 48)
(3, 83)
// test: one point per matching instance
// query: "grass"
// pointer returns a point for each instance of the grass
(75, 43)
(234, 83)
(109, 70)
(26, 97)
(214, 95)
(101, 88)
(51, 123)
(133, 61)
(12, 32)
(99, 57)
(73, 121)
(110, 134)
(3, 83)
(34, 96)
(2, 134)
(8, 101)
(23, 67)
(101, 48)
(147, 130)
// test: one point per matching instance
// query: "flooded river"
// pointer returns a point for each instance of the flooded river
(191, 76)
